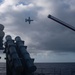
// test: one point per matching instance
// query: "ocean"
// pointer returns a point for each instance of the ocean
(2, 68)
(55, 68)
(48, 69)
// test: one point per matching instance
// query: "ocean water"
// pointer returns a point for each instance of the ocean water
(48, 69)
(2, 69)
(55, 68)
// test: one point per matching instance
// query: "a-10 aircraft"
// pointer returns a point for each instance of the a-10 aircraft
(28, 20)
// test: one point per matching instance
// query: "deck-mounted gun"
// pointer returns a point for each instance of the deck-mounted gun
(18, 61)
(13, 63)
(61, 22)
(27, 61)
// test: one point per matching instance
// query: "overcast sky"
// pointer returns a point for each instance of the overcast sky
(47, 40)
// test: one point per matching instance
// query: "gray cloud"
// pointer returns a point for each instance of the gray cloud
(43, 33)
